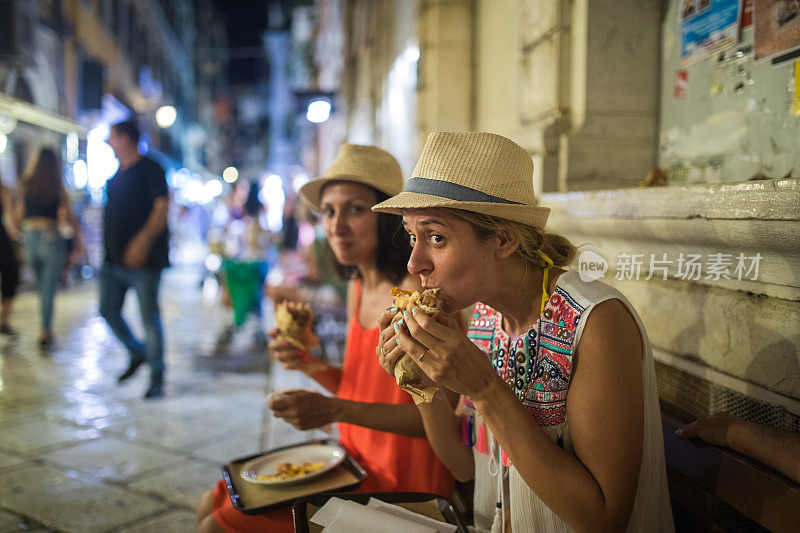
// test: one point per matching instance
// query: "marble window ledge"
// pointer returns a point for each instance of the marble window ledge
(760, 200)
(752, 217)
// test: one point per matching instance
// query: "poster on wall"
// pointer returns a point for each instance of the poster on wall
(777, 29)
(707, 27)
(747, 13)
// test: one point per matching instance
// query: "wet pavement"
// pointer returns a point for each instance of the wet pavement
(80, 453)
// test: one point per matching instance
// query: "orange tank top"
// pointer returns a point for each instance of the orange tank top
(395, 462)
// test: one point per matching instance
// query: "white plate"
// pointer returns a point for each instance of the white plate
(330, 454)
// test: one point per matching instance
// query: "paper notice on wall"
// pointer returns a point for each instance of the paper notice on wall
(747, 13)
(707, 27)
(681, 88)
(777, 29)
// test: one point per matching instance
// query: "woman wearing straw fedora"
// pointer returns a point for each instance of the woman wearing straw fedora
(559, 421)
(378, 423)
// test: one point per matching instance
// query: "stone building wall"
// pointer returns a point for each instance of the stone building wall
(578, 84)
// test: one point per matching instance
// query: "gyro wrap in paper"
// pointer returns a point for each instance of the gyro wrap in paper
(409, 376)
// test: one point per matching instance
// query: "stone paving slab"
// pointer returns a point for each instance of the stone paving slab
(167, 433)
(112, 458)
(11, 523)
(181, 483)
(80, 453)
(9, 459)
(171, 522)
(32, 434)
(224, 450)
(50, 496)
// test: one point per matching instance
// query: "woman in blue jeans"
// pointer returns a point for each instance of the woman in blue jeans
(43, 197)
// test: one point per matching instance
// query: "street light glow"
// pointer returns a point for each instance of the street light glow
(214, 188)
(80, 173)
(318, 111)
(412, 54)
(7, 124)
(165, 116)
(72, 147)
(230, 174)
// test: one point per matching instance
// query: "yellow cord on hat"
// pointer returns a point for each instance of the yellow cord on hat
(545, 278)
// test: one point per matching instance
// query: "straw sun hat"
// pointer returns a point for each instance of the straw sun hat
(362, 164)
(472, 171)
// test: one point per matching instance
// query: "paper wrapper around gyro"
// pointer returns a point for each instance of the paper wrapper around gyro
(293, 325)
(409, 376)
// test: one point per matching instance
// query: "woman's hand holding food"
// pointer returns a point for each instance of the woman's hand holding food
(304, 409)
(442, 351)
(288, 355)
(388, 350)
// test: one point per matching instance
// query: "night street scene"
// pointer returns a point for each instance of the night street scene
(399, 266)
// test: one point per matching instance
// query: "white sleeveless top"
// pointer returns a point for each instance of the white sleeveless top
(538, 368)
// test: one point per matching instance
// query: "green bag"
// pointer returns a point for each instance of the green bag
(245, 282)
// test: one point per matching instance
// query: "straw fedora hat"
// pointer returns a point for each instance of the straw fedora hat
(362, 164)
(472, 171)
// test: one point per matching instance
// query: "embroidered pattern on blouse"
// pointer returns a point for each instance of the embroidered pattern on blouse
(537, 366)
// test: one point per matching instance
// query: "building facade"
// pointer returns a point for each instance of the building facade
(594, 90)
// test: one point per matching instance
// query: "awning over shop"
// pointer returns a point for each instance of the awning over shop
(32, 114)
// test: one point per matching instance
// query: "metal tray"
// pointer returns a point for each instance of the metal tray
(251, 498)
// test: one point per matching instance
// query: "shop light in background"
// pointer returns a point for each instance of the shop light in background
(3, 142)
(193, 192)
(7, 124)
(213, 188)
(412, 53)
(230, 174)
(190, 188)
(318, 111)
(165, 116)
(299, 179)
(213, 262)
(80, 174)
(72, 147)
(100, 161)
(272, 196)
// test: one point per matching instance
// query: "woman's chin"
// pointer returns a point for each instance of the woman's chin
(345, 259)
(448, 306)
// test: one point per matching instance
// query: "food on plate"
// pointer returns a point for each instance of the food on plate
(409, 376)
(293, 324)
(285, 471)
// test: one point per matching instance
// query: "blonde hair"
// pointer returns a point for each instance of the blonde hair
(531, 240)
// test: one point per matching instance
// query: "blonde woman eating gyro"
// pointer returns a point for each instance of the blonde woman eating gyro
(558, 422)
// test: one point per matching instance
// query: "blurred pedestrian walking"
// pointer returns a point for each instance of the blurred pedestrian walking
(42, 197)
(9, 265)
(136, 251)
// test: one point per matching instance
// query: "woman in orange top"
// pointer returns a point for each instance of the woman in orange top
(378, 423)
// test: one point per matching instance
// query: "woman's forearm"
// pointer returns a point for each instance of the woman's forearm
(443, 428)
(777, 449)
(324, 374)
(399, 419)
(574, 495)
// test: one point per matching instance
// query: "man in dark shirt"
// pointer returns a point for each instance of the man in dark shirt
(135, 238)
